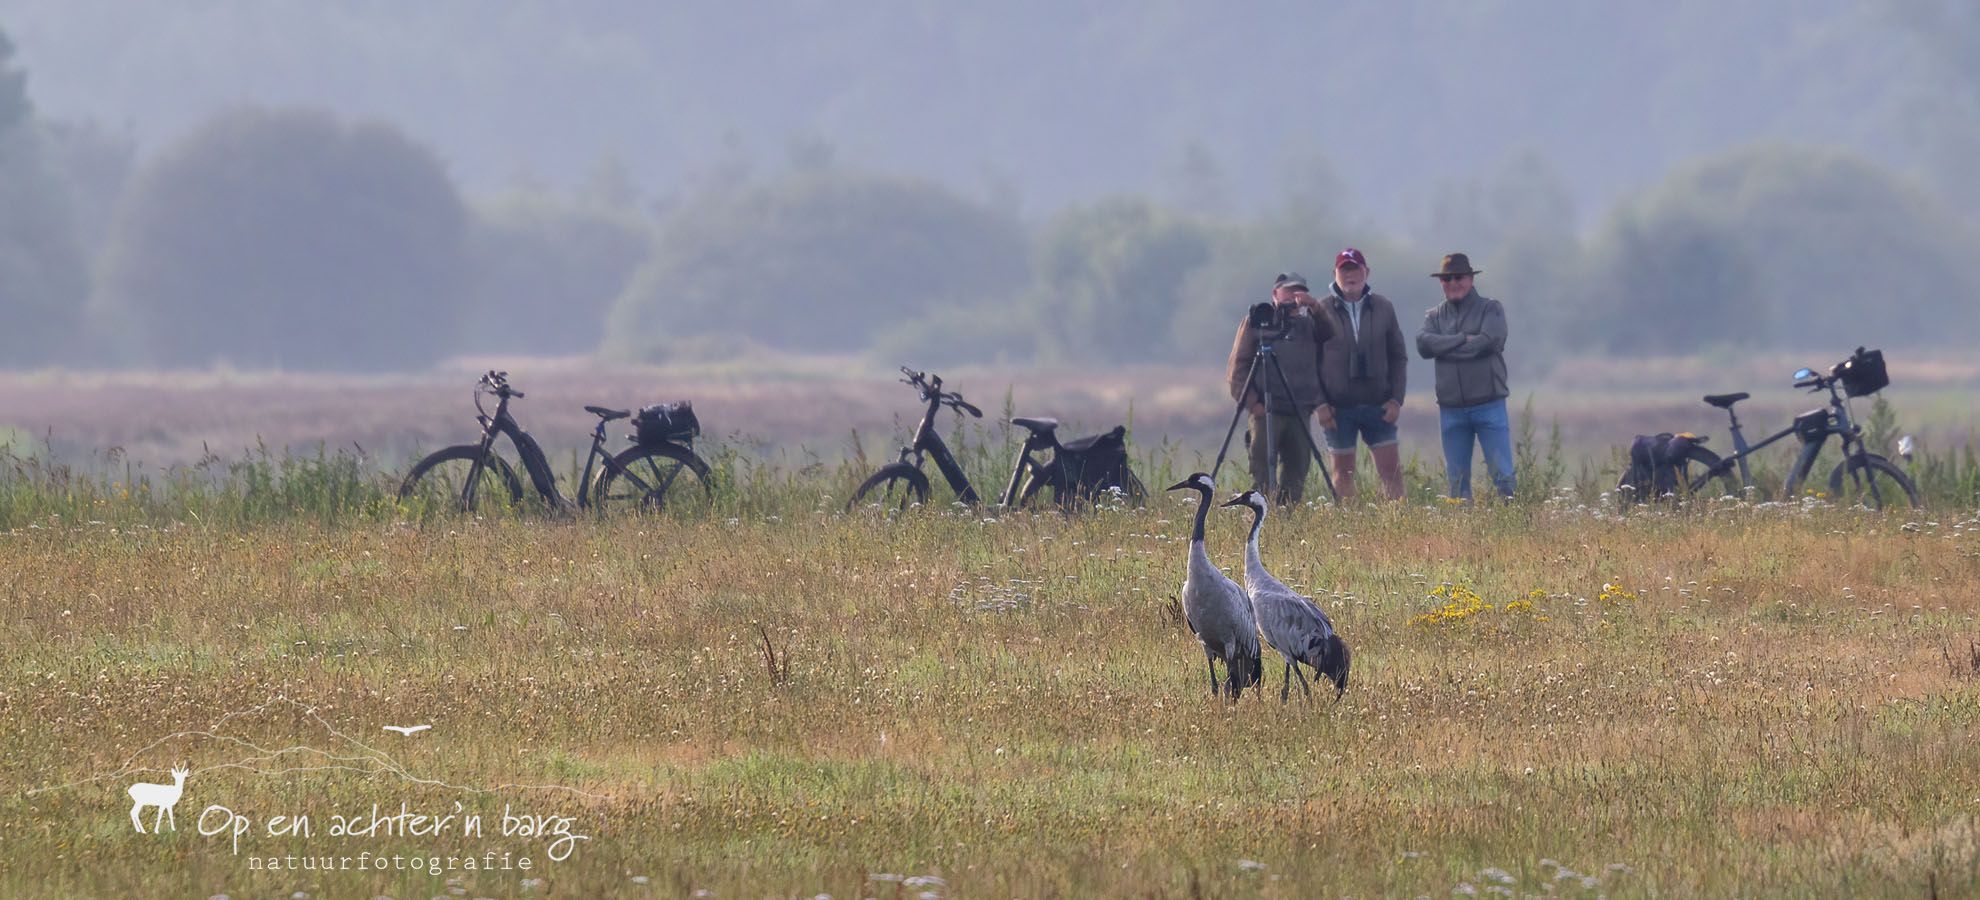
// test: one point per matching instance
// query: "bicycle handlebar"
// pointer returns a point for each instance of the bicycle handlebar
(931, 389)
(497, 383)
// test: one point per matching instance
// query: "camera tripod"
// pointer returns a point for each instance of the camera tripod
(1253, 377)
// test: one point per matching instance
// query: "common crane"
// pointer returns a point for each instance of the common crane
(1214, 606)
(1294, 625)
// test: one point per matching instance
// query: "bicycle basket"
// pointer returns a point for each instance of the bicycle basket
(1862, 373)
(666, 423)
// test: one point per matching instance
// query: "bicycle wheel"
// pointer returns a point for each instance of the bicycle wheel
(655, 478)
(1709, 480)
(895, 486)
(1893, 488)
(440, 478)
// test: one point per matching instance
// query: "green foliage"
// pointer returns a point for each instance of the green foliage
(1108, 278)
(288, 238)
(15, 108)
(821, 260)
(546, 271)
(43, 267)
(1782, 245)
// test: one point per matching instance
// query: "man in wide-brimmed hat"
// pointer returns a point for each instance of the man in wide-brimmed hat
(1466, 335)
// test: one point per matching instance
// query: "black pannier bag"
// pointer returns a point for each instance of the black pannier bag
(1094, 464)
(1657, 464)
(1862, 374)
(666, 423)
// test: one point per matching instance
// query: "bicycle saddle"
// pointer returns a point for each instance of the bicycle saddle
(1726, 401)
(607, 414)
(1037, 426)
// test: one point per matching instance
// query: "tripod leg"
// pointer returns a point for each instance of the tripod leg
(1250, 378)
(1311, 445)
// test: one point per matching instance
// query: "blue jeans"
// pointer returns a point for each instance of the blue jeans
(1363, 422)
(1492, 428)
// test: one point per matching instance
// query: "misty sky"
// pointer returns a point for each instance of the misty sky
(1047, 101)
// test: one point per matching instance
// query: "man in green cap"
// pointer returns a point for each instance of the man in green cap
(1281, 428)
(1466, 335)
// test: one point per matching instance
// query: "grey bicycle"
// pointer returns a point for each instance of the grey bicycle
(1862, 478)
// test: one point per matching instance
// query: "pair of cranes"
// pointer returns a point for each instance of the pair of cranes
(1228, 619)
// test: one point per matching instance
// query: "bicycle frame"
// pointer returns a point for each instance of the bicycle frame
(1839, 424)
(502, 423)
(1025, 463)
(928, 444)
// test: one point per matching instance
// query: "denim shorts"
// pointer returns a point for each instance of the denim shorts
(1362, 421)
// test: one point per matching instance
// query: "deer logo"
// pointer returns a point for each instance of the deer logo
(163, 796)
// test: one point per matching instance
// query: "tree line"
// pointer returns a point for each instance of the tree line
(298, 239)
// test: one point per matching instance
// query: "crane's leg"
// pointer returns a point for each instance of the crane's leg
(1211, 660)
(1285, 687)
(1302, 682)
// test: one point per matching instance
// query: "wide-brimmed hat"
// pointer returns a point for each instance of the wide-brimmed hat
(1456, 264)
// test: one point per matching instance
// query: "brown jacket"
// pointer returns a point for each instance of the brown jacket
(1366, 369)
(1468, 341)
(1298, 354)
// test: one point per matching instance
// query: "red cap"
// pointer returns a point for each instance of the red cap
(1350, 256)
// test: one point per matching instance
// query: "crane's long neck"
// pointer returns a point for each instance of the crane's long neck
(1253, 566)
(1202, 514)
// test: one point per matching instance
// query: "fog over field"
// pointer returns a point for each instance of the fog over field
(367, 187)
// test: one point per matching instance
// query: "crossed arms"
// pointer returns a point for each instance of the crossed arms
(1490, 338)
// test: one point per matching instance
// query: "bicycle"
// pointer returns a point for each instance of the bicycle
(642, 477)
(1077, 471)
(906, 477)
(1872, 478)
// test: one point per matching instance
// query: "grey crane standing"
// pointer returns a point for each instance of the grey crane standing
(1214, 606)
(1294, 625)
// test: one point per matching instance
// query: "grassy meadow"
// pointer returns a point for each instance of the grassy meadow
(1547, 698)
(773, 697)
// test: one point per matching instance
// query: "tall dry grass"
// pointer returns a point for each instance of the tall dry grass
(1709, 701)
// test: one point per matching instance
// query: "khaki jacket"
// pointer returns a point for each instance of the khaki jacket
(1468, 340)
(1366, 369)
(1298, 354)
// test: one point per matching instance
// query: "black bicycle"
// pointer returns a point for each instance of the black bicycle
(901, 482)
(1862, 477)
(660, 467)
(1079, 471)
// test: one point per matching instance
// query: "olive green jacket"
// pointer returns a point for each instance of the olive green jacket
(1467, 338)
(1298, 354)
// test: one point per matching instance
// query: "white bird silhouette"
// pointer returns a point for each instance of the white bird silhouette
(407, 729)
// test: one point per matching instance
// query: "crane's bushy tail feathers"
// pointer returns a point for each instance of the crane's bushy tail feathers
(1246, 670)
(1334, 660)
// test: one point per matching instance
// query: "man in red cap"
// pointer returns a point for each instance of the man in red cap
(1364, 367)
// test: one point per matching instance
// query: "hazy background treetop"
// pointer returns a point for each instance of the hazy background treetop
(381, 185)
